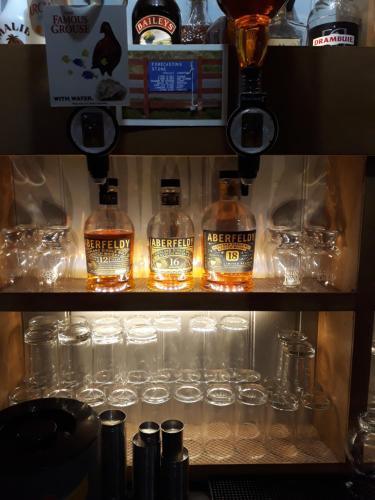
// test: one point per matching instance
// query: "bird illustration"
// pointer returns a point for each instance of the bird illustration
(107, 52)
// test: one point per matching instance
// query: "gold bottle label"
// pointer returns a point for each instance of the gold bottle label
(229, 252)
(171, 255)
(108, 256)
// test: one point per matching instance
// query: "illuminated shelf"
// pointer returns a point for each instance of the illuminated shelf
(72, 296)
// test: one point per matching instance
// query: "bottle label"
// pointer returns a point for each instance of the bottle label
(283, 42)
(334, 34)
(14, 33)
(170, 199)
(171, 255)
(155, 30)
(108, 256)
(229, 252)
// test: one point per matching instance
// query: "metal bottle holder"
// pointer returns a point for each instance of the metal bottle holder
(252, 128)
(94, 132)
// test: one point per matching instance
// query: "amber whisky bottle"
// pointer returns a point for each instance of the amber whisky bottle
(229, 231)
(171, 242)
(109, 244)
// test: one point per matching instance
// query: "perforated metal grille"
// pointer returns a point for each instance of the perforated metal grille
(278, 490)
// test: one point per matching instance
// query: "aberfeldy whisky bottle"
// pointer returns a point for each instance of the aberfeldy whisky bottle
(229, 231)
(109, 244)
(171, 242)
(156, 22)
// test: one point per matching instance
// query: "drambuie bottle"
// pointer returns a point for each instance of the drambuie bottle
(156, 22)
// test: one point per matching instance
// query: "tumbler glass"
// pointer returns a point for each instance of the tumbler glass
(141, 352)
(218, 421)
(314, 410)
(169, 334)
(24, 392)
(93, 396)
(193, 342)
(156, 403)
(53, 258)
(44, 320)
(284, 336)
(282, 425)
(26, 246)
(236, 342)
(189, 409)
(41, 364)
(75, 355)
(11, 260)
(107, 345)
(298, 376)
(63, 392)
(251, 409)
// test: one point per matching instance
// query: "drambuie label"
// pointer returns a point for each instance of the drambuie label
(229, 252)
(171, 255)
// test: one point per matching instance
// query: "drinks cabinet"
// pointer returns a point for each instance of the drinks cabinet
(318, 178)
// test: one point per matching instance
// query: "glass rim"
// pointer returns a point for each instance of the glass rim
(156, 394)
(221, 395)
(196, 393)
(252, 394)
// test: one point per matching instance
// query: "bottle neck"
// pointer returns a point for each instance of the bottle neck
(281, 15)
(170, 198)
(230, 189)
(199, 9)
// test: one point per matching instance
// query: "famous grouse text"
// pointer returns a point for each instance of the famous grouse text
(156, 22)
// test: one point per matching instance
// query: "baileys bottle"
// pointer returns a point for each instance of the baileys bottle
(156, 22)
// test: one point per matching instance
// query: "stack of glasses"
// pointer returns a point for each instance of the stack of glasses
(297, 255)
(151, 371)
(45, 254)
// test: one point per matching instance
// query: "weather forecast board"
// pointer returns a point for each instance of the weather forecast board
(87, 55)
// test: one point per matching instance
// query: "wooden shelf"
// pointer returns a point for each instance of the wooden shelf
(72, 296)
(305, 89)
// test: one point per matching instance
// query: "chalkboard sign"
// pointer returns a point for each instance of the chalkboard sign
(172, 76)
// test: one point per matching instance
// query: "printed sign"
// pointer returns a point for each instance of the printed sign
(172, 76)
(87, 55)
(176, 85)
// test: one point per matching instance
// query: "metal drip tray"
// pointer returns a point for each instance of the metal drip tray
(279, 489)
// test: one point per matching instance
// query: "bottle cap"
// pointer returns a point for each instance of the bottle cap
(228, 174)
(170, 183)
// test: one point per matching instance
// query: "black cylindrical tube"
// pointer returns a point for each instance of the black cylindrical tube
(113, 455)
(146, 462)
(174, 479)
(172, 440)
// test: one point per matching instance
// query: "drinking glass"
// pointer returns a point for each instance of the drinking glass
(314, 410)
(107, 345)
(93, 396)
(298, 373)
(44, 320)
(169, 334)
(53, 257)
(156, 403)
(288, 259)
(141, 352)
(251, 410)
(236, 346)
(218, 421)
(285, 336)
(24, 392)
(282, 425)
(27, 246)
(329, 259)
(11, 262)
(75, 355)
(189, 409)
(41, 356)
(63, 392)
(193, 342)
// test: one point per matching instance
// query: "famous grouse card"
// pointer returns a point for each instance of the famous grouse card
(87, 55)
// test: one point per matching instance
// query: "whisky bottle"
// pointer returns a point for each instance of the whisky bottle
(334, 23)
(171, 242)
(282, 32)
(156, 22)
(229, 231)
(109, 244)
